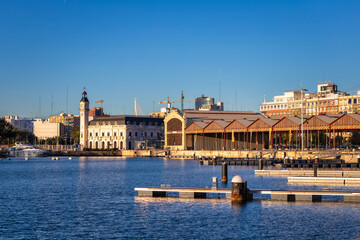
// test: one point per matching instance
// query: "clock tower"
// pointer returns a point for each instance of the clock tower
(84, 119)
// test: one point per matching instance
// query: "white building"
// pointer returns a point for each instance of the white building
(46, 129)
(124, 132)
(324, 101)
(118, 132)
(20, 123)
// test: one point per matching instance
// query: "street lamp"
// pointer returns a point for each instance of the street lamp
(302, 119)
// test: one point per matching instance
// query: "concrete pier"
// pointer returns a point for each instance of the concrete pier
(276, 195)
(352, 199)
(152, 194)
(324, 181)
(283, 197)
(193, 195)
(309, 173)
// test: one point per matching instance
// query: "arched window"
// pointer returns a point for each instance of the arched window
(103, 145)
(115, 145)
(174, 135)
(90, 145)
(96, 145)
(108, 145)
(121, 145)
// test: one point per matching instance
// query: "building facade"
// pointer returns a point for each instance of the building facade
(118, 132)
(239, 131)
(20, 123)
(208, 104)
(66, 119)
(327, 100)
(45, 129)
(124, 132)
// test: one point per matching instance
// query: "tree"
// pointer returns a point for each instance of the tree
(10, 134)
(75, 134)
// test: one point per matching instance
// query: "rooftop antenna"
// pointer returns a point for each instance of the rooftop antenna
(182, 100)
(39, 105)
(219, 86)
(52, 104)
(264, 98)
(236, 108)
(67, 98)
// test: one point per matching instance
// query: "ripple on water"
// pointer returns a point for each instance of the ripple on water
(94, 198)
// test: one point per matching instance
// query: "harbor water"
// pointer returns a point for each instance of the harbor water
(92, 198)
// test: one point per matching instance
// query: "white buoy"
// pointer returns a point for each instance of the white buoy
(26, 159)
(53, 158)
(57, 159)
(70, 158)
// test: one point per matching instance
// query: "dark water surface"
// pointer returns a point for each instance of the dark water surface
(91, 198)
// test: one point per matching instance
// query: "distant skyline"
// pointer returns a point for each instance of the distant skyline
(152, 50)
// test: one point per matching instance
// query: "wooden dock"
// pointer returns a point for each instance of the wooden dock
(278, 195)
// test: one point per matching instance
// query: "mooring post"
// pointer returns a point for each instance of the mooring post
(358, 159)
(261, 164)
(224, 172)
(214, 161)
(316, 162)
(214, 183)
(238, 189)
(285, 161)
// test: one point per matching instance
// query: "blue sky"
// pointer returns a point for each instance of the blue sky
(154, 49)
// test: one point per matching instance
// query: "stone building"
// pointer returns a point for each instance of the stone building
(119, 132)
(124, 132)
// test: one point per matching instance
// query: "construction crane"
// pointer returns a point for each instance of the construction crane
(182, 101)
(101, 102)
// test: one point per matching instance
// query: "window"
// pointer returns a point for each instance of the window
(145, 134)
(135, 134)
(90, 134)
(349, 101)
(108, 134)
(103, 134)
(115, 134)
(96, 134)
(121, 134)
(151, 134)
(355, 100)
(129, 134)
